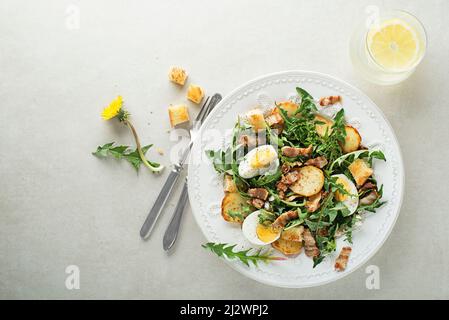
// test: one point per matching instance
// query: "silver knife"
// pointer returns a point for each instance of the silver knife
(172, 230)
(167, 189)
(171, 233)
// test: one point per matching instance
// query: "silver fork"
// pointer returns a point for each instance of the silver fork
(171, 233)
(167, 189)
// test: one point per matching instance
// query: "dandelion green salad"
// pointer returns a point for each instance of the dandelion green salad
(297, 180)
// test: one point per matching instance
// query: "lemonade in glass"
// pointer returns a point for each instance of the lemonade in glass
(387, 49)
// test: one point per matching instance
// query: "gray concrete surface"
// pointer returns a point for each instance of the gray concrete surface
(61, 206)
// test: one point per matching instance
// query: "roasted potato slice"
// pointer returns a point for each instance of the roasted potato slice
(233, 202)
(288, 248)
(321, 129)
(361, 171)
(293, 234)
(229, 184)
(310, 182)
(352, 140)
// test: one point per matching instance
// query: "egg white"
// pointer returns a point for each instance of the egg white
(249, 229)
(247, 171)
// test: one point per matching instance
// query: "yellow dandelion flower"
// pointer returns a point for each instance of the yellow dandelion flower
(113, 109)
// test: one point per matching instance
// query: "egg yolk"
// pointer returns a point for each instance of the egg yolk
(340, 196)
(261, 159)
(266, 233)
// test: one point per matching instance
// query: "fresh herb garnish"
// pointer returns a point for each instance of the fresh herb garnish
(226, 250)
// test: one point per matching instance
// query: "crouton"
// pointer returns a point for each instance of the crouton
(361, 171)
(289, 107)
(177, 75)
(256, 119)
(195, 93)
(178, 114)
(324, 127)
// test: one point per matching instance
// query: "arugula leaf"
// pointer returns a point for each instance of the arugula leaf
(376, 204)
(264, 180)
(226, 250)
(242, 214)
(296, 222)
(278, 200)
(348, 158)
(329, 146)
(235, 215)
(123, 152)
(266, 216)
(220, 160)
(307, 106)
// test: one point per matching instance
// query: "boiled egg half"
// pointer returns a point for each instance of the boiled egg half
(257, 233)
(262, 160)
(350, 200)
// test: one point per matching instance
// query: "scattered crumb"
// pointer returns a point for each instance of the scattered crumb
(160, 151)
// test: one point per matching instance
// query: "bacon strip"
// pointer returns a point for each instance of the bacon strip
(290, 177)
(342, 260)
(309, 244)
(251, 141)
(248, 141)
(280, 186)
(368, 185)
(293, 152)
(257, 203)
(319, 162)
(274, 120)
(326, 101)
(259, 193)
(369, 198)
(285, 168)
(283, 219)
(313, 202)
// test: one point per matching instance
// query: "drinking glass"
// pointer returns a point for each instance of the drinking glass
(387, 47)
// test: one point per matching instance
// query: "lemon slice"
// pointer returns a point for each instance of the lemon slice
(394, 44)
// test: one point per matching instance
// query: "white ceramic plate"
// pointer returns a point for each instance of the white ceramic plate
(205, 186)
